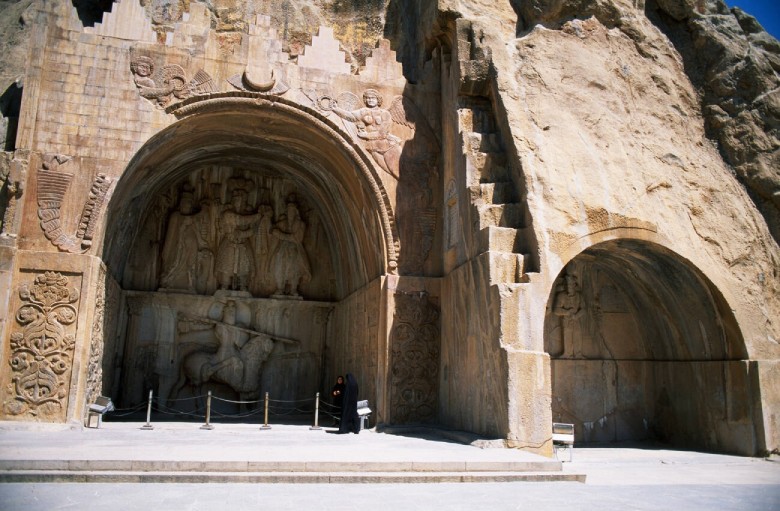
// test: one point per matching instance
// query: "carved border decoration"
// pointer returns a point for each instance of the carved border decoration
(414, 369)
(41, 356)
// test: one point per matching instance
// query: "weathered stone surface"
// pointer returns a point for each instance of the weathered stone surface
(502, 215)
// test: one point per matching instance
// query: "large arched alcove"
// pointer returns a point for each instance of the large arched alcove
(644, 348)
(242, 237)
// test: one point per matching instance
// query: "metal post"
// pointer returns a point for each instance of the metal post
(265, 424)
(316, 413)
(148, 424)
(208, 413)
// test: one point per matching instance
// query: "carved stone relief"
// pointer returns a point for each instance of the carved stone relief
(567, 306)
(249, 236)
(402, 144)
(12, 179)
(52, 187)
(41, 355)
(101, 348)
(453, 217)
(181, 346)
(95, 367)
(167, 83)
(224, 350)
(371, 124)
(415, 346)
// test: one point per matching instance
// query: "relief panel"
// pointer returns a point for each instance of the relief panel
(218, 230)
(415, 349)
(41, 348)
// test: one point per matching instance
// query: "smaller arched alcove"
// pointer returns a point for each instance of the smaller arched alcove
(644, 348)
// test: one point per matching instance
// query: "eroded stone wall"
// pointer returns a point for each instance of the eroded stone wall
(449, 174)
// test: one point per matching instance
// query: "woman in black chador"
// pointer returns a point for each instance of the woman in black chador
(337, 392)
(350, 421)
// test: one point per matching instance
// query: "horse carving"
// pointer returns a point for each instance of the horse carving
(241, 370)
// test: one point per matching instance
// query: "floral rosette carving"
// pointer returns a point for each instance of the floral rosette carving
(42, 353)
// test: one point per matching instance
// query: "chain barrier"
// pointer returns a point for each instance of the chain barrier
(271, 408)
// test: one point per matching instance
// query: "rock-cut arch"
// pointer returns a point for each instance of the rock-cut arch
(644, 347)
(277, 135)
(269, 153)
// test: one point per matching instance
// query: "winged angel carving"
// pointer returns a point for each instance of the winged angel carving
(169, 84)
(372, 124)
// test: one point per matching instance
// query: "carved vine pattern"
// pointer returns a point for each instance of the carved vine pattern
(42, 353)
(415, 358)
(96, 345)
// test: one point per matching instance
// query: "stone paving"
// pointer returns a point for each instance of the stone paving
(635, 477)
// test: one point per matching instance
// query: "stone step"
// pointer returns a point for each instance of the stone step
(494, 193)
(282, 466)
(506, 267)
(484, 142)
(108, 476)
(501, 215)
(504, 239)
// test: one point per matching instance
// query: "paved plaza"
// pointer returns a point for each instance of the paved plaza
(637, 477)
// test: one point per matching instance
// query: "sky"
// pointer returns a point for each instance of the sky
(767, 12)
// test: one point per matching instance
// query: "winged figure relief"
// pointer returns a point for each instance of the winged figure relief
(372, 124)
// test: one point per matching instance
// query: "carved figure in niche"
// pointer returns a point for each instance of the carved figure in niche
(237, 361)
(373, 126)
(567, 305)
(186, 256)
(236, 224)
(290, 264)
(262, 249)
(142, 272)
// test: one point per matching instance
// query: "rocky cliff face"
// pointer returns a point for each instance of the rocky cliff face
(729, 59)
(732, 62)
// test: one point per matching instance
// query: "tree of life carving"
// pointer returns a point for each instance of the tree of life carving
(415, 358)
(42, 353)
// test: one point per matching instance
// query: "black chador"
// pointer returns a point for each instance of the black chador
(350, 420)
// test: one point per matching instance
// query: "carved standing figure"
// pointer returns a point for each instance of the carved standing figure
(373, 124)
(567, 305)
(234, 257)
(185, 249)
(290, 264)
